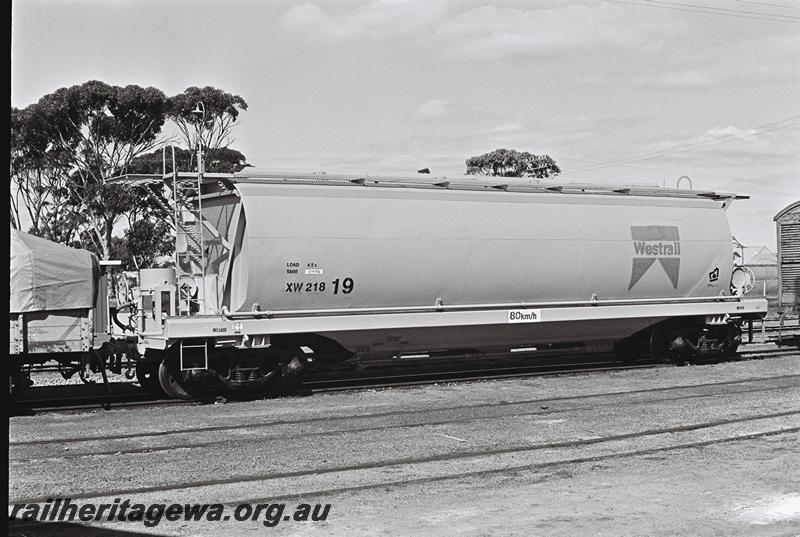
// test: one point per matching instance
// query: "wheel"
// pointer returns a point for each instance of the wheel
(170, 379)
(291, 374)
(662, 350)
(147, 376)
(733, 337)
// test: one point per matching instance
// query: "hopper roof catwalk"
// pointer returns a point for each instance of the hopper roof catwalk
(472, 183)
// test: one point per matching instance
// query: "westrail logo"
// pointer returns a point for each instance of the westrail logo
(656, 243)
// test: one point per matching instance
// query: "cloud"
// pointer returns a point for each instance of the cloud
(506, 33)
(720, 132)
(591, 40)
(434, 109)
(738, 145)
(487, 32)
(378, 19)
(306, 16)
(508, 127)
(456, 113)
(679, 79)
(696, 63)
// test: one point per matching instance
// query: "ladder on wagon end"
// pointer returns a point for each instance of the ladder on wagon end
(193, 236)
(180, 195)
(190, 254)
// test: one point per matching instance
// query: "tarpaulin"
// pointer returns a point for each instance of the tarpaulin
(48, 276)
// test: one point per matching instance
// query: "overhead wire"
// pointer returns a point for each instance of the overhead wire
(659, 179)
(701, 144)
(678, 151)
(694, 8)
(683, 150)
(720, 9)
(652, 169)
(784, 6)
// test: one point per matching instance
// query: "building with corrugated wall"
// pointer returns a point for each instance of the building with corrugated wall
(788, 224)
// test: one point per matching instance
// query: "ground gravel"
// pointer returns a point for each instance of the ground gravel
(479, 458)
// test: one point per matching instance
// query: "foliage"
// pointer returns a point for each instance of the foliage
(222, 160)
(64, 147)
(511, 163)
(146, 241)
(39, 181)
(225, 160)
(213, 128)
(80, 136)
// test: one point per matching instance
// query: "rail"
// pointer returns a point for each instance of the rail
(439, 307)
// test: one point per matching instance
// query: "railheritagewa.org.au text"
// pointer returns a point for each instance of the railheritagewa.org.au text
(153, 514)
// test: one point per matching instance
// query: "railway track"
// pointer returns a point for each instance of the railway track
(469, 375)
(320, 383)
(461, 462)
(409, 373)
(376, 450)
(537, 466)
(183, 486)
(118, 444)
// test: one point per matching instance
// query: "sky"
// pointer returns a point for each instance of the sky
(616, 91)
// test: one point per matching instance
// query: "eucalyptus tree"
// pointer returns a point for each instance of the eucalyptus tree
(512, 163)
(39, 181)
(205, 116)
(67, 145)
(94, 130)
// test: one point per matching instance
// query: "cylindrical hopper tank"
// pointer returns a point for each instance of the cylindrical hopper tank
(309, 247)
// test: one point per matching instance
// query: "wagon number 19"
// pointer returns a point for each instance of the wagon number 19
(347, 286)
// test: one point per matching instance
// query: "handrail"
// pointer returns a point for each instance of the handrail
(681, 178)
(466, 307)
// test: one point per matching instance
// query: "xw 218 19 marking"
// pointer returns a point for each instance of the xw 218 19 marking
(344, 286)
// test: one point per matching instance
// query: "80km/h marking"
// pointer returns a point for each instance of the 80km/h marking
(524, 316)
